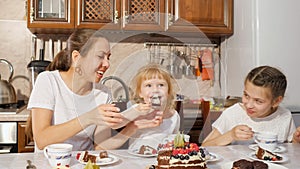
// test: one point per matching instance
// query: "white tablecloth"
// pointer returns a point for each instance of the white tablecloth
(128, 161)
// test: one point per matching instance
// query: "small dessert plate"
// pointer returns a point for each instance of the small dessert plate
(102, 161)
(284, 158)
(279, 149)
(213, 157)
(270, 165)
(135, 152)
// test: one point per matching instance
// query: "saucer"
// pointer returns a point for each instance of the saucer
(278, 149)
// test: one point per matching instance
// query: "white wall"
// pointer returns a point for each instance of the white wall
(266, 32)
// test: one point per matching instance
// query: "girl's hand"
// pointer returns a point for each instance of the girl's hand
(296, 137)
(144, 108)
(242, 132)
(153, 119)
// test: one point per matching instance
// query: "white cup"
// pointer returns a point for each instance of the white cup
(266, 140)
(171, 138)
(58, 154)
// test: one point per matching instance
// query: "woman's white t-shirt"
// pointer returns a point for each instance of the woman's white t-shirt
(50, 92)
(280, 122)
(154, 136)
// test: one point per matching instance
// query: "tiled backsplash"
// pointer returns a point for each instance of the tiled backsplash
(127, 58)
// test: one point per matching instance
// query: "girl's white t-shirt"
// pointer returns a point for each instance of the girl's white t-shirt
(154, 136)
(50, 92)
(280, 122)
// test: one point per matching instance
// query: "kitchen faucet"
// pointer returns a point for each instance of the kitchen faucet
(120, 81)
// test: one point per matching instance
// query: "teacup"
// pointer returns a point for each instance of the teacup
(171, 137)
(266, 140)
(58, 154)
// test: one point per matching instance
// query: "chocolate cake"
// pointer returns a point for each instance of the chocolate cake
(103, 154)
(245, 164)
(266, 155)
(147, 150)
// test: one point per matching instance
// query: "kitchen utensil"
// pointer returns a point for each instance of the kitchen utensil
(189, 71)
(30, 165)
(7, 91)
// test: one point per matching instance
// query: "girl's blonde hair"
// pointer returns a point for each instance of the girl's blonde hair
(152, 71)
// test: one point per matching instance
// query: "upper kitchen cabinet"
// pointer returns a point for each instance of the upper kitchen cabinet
(97, 14)
(143, 15)
(212, 17)
(48, 16)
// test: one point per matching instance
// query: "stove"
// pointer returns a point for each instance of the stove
(10, 108)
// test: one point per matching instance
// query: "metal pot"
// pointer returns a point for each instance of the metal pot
(7, 91)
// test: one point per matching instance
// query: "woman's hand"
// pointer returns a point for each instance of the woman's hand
(242, 132)
(296, 138)
(105, 114)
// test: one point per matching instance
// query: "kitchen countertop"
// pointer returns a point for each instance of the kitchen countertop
(226, 154)
(21, 115)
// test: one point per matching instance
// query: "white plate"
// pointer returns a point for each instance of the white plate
(279, 149)
(270, 165)
(102, 161)
(136, 153)
(284, 158)
(213, 157)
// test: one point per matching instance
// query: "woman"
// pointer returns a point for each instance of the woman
(67, 102)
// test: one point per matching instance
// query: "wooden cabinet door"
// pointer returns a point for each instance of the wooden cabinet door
(210, 16)
(50, 16)
(148, 15)
(98, 14)
(25, 144)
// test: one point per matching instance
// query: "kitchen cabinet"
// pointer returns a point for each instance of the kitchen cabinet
(105, 14)
(25, 144)
(50, 16)
(212, 17)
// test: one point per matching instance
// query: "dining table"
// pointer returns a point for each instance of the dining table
(126, 159)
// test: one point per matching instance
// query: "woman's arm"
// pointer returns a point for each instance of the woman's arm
(240, 132)
(102, 140)
(45, 133)
(110, 143)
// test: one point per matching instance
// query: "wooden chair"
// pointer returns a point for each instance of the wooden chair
(208, 117)
(179, 109)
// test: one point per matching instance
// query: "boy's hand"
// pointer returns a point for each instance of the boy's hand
(296, 138)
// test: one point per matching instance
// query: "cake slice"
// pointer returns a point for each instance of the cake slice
(147, 150)
(266, 155)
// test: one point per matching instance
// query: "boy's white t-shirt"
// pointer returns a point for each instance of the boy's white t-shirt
(50, 92)
(154, 136)
(280, 122)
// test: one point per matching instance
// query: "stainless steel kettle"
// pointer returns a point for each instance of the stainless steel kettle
(7, 91)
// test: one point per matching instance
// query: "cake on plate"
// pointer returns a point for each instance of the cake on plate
(180, 155)
(147, 150)
(245, 164)
(266, 155)
(85, 156)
